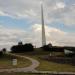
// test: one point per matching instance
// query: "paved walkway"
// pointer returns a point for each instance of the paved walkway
(30, 68)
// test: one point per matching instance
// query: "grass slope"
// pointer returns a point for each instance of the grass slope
(22, 73)
(48, 65)
(6, 62)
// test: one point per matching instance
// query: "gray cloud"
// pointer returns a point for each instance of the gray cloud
(31, 9)
(53, 10)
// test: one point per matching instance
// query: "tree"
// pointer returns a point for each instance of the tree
(28, 47)
(46, 48)
(1, 53)
(4, 50)
(50, 45)
(22, 48)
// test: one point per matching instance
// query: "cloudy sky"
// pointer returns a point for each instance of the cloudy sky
(20, 20)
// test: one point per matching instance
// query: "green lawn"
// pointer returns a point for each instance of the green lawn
(6, 62)
(22, 73)
(52, 66)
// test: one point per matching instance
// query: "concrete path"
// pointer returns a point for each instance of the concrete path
(30, 68)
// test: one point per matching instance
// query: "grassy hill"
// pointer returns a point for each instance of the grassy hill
(46, 65)
(6, 62)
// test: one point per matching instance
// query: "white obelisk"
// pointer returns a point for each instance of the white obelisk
(43, 28)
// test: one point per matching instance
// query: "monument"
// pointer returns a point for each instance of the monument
(43, 28)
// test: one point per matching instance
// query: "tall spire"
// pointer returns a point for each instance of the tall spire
(43, 28)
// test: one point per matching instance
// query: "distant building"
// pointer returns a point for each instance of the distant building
(50, 45)
(67, 51)
(20, 43)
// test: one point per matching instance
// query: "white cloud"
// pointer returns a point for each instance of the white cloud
(68, 39)
(53, 35)
(9, 37)
(59, 5)
(2, 13)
